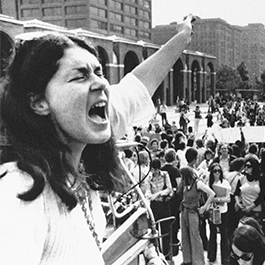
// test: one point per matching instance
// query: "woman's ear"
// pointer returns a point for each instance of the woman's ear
(40, 106)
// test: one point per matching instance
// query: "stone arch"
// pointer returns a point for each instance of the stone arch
(6, 45)
(104, 60)
(210, 78)
(130, 62)
(178, 80)
(195, 81)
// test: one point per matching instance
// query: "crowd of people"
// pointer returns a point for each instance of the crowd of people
(61, 119)
(230, 176)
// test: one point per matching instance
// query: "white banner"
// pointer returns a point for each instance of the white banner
(252, 134)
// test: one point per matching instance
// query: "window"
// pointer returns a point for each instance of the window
(28, 2)
(115, 4)
(144, 35)
(98, 12)
(146, 4)
(51, 1)
(130, 21)
(72, 10)
(30, 12)
(147, 15)
(116, 16)
(116, 28)
(144, 24)
(130, 9)
(130, 32)
(52, 11)
(102, 2)
(75, 23)
(99, 24)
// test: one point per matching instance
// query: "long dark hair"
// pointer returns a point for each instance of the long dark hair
(211, 177)
(247, 239)
(36, 146)
(188, 176)
(255, 166)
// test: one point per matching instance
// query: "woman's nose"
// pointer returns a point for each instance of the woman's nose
(98, 83)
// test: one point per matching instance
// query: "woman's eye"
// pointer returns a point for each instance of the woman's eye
(79, 77)
(99, 73)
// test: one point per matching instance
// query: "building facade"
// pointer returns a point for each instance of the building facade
(129, 19)
(192, 77)
(231, 45)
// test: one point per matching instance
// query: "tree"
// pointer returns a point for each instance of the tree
(242, 70)
(227, 78)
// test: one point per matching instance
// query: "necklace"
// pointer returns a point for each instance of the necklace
(82, 193)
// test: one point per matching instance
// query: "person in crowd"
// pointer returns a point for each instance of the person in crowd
(262, 161)
(247, 247)
(237, 166)
(159, 191)
(233, 118)
(154, 150)
(203, 167)
(158, 105)
(183, 121)
(163, 113)
(201, 151)
(216, 179)
(163, 145)
(235, 150)
(174, 127)
(209, 119)
(141, 171)
(191, 186)
(62, 118)
(190, 136)
(179, 137)
(192, 157)
(197, 118)
(224, 158)
(181, 154)
(128, 159)
(174, 174)
(145, 142)
(253, 150)
(170, 138)
(252, 222)
(250, 190)
(211, 103)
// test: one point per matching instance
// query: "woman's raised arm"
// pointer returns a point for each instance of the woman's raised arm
(154, 69)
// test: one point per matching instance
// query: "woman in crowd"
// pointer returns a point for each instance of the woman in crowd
(191, 185)
(159, 191)
(62, 117)
(237, 167)
(216, 180)
(250, 190)
(224, 158)
(248, 246)
(203, 167)
(154, 150)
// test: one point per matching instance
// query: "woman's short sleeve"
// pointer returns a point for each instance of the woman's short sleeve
(131, 104)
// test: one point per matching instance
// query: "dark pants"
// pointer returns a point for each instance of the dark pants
(164, 118)
(175, 211)
(233, 217)
(203, 233)
(162, 210)
(212, 248)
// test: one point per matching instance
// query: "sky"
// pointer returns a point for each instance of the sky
(234, 12)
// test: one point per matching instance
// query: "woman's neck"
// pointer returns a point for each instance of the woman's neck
(74, 157)
(224, 156)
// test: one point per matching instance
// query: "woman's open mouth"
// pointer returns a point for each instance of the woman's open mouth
(98, 112)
